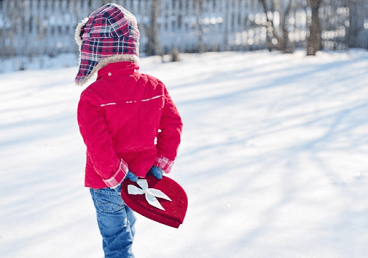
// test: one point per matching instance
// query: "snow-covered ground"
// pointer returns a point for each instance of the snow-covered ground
(274, 159)
(19, 63)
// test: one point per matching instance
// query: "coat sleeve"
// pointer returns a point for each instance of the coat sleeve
(168, 138)
(99, 143)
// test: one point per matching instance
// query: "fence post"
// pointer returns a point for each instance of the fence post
(356, 22)
(3, 39)
(199, 9)
(225, 10)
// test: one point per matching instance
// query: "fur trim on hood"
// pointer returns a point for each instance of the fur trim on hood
(78, 31)
(103, 62)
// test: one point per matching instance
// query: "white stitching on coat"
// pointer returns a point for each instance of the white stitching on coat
(108, 104)
(133, 101)
(156, 97)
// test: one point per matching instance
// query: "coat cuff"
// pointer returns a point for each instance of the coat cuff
(164, 163)
(118, 176)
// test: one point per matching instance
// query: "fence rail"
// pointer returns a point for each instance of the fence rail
(39, 27)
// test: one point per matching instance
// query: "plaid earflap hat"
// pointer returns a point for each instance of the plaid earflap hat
(110, 34)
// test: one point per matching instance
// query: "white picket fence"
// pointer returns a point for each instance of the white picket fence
(39, 27)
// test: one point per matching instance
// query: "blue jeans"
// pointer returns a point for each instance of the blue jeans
(116, 222)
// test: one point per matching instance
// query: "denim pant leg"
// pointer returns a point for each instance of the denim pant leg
(116, 222)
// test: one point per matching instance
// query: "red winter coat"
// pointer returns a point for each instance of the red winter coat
(128, 122)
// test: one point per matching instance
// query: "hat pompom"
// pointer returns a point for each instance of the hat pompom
(78, 29)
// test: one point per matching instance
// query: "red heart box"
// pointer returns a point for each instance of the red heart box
(174, 210)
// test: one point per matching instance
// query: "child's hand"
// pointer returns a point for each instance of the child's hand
(156, 172)
(131, 177)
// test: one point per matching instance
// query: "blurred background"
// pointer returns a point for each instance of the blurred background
(33, 31)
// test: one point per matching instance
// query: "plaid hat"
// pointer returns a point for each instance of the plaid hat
(110, 34)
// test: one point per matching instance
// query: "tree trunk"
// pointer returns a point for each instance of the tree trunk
(314, 40)
(153, 45)
(284, 37)
(270, 25)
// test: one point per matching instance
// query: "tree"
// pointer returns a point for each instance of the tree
(314, 39)
(281, 39)
(153, 46)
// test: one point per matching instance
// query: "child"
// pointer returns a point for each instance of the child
(120, 117)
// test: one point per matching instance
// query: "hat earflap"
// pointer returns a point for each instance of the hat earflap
(78, 29)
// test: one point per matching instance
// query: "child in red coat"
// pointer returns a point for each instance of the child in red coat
(128, 121)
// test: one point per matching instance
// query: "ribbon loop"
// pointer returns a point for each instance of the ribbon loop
(150, 193)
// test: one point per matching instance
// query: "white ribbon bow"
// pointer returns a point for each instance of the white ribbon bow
(150, 193)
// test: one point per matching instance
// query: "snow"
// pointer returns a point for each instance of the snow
(273, 159)
(38, 62)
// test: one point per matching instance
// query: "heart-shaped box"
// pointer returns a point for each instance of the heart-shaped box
(163, 201)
